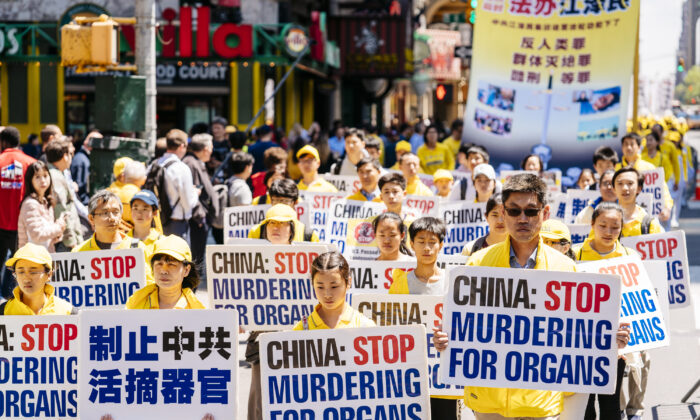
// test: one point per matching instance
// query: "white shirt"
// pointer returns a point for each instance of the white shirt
(179, 187)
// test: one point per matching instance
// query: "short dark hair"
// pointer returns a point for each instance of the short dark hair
(263, 130)
(640, 177)
(372, 142)
(539, 160)
(55, 150)
(240, 161)
(406, 156)
(493, 201)
(392, 177)
(605, 206)
(634, 136)
(329, 261)
(285, 188)
(10, 136)
(480, 150)
(274, 156)
(365, 160)
(428, 224)
(525, 183)
(457, 124)
(191, 280)
(175, 138)
(605, 153)
(237, 140)
(360, 134)
(48, 131)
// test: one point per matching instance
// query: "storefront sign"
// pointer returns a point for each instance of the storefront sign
(199, 74)
(9, 41)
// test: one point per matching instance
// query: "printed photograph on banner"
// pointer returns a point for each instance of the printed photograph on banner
(98, 279)
(347, 184)
(491, 123)
(597, 101)
(669, 247)
(392, 310)
(418, 206)
(496, 96)
(318, 205)
(270, 285)
(531, 329)
(240, 220)
(375, 276)
(349, 227)
(41, 381)
(465, 222)
(598, 129)
(350, 373)
(639, 304)
(171, 363)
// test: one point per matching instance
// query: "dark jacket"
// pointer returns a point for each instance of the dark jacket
(80, 172)
(207, 208)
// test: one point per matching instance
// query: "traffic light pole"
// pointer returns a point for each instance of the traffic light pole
(145, 11)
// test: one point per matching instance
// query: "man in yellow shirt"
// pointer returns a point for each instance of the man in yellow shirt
(434, 155)
(368, 170)
(402, 148)
(409, 165)
(309, 162)
(455, 140)
(628, 183)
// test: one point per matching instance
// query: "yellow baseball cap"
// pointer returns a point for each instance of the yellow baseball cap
(308, 150)
(442, 174)
(173, 246)
(674, 136)
(280, 213)
(231, 129)
(31, 252)
(555, 230)
(403, 146)
(120, 164)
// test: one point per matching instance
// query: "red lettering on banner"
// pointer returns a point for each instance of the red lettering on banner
(628, 273)
(393, 349)
(587, 296)
(297, 262)
(662, 248)
(438, 313)
(120, 267)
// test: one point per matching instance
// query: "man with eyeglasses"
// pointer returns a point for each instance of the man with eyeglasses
(59, 158)
(524, 202)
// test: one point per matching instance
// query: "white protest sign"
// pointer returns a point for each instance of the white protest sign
(392, 310)
(174, 364)
(657, 274)
(418, 206)
(447, 261)
(465, 222)
(349, 227)
(375, 276)
(645, 201)
(104, 279)
(239, 220)
(39, 367)
(349, 373)
(579, 233)
(639, 304)
(319, 203)
(531, 329)
(557, 208)
(669, 247)
(577, 200)
(348, 184)
(654, 182)
(270, 286)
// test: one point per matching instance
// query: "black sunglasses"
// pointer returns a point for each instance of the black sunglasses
(515, 212)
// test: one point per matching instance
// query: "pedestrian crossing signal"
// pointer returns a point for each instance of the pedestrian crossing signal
(681, 65)
(443, 92)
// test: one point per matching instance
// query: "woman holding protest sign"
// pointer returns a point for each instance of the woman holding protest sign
(607, 221)
(32, 268)
(497, 227)
(390, 232)
(175, 278)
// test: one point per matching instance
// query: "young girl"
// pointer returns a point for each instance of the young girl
(144, 210)
(497, 227)
(36, 222)
(32, 268)
(390, 233)
(330, 274)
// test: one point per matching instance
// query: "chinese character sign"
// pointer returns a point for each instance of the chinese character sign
(174, 364)
(39, 367)
(554, 73)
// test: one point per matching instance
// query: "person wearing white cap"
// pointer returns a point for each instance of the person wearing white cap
(484, 177)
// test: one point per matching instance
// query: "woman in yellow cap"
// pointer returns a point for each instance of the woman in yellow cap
(556, 234)
(32, 268)
(175, 277)
(281, 227)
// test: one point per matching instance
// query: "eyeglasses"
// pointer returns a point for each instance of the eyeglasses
(515, 212)
(561, 242)
(106, 214)
(32, 274)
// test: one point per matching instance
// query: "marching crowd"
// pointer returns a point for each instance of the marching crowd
(170, 206)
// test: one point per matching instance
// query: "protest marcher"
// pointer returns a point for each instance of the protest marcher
(443, 181)
(604, 159)
(392, 191)
(373, 146)
(607, 225)
(410, 165)
(309, 163)
(36, 223)
(270, 178)
(402, 148)
(32, 267)
(281, 226)
(474, 156)
(125, 189)
(556, 235)
(237, 191)
(485, 183)
(174, 275)
(220, 143)
(368, 171)
(652, 154)
(585, 179)
(281, 191)
(354, 152)
(390, 233)
(524, 202)
(144, 210)
(628, 184)
(607, 195)
(427, 235)
(59, 159)
(532, 163)
(105, 213)
(684, 155)
(434, 155)
(454, 141)
(497, 227)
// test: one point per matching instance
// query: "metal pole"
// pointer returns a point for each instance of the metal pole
(635, 98)
(145, 11)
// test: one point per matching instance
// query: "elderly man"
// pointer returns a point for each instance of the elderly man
(105, 213)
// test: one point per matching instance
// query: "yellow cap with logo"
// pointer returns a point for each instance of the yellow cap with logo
(120, 165)
(173, 246)
(308, 150)
(555, 230)
(31, 252)
(281, 213)
(442, 174)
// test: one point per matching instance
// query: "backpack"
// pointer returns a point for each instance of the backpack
(155, 181)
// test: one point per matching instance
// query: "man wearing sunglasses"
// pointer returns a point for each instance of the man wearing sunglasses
(525, 209)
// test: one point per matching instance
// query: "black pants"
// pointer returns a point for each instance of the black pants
(218, 235)
(442, 409)
(8, 243)
(198, 244)
(609, 404)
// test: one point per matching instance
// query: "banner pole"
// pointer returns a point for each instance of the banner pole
(635, 98)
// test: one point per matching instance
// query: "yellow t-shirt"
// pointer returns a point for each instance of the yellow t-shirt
(349, 319)
(417, 187)
(453, 145)
(319, 185)
(358, 196)
(433, 159)
(147, 298)
(660, 160)
(633, 227)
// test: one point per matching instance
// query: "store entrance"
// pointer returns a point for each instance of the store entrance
(183, 111)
